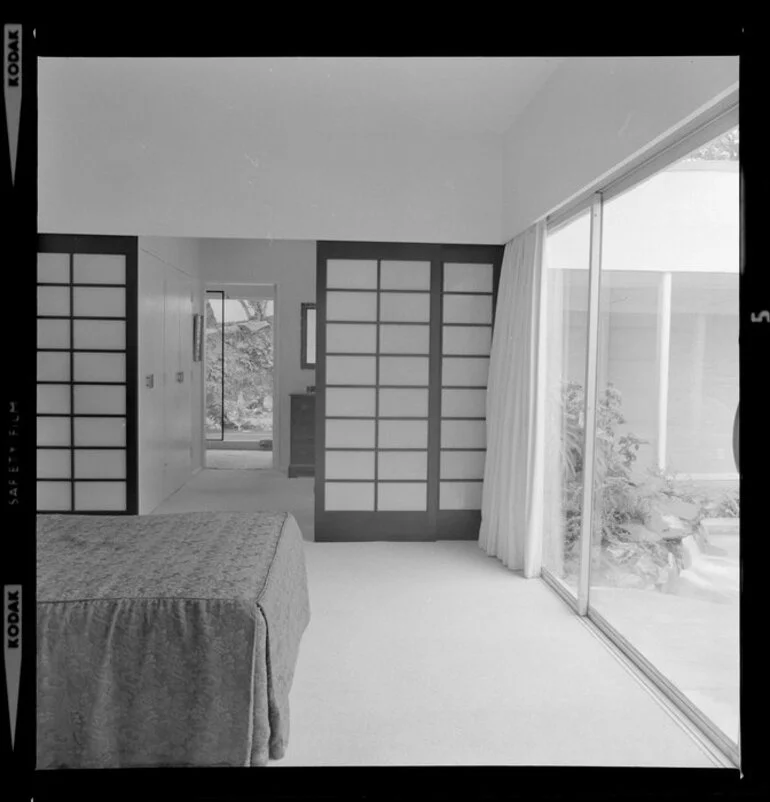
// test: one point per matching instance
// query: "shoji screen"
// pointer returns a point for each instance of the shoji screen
(86, 375)
(403, 334)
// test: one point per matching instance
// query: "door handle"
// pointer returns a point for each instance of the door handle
(180, 376)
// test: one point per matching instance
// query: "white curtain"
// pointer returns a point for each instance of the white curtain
(512, 501)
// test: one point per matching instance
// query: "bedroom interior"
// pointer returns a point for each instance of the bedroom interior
(494, 345)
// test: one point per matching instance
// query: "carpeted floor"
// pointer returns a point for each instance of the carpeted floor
(435, 654)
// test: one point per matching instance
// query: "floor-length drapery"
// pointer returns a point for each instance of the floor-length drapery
(512, 501)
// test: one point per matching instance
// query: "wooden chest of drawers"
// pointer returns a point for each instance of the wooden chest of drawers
(302, 457)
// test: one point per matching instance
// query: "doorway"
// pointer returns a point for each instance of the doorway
(240, 387)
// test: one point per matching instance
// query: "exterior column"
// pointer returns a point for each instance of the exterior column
(663, 360)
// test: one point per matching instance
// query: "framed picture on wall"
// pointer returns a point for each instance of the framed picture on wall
(197, 338)
(308, 337)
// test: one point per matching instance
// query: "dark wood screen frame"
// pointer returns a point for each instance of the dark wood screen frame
(385, 524)
(128, 247)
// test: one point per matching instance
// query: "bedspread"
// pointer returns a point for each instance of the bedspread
(167, 640)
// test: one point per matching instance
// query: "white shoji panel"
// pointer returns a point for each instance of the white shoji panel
(407, 307)
(100, 496)
(460, 495)
(53, 268)
(351, 338)
(100, 400)
(403, 403)
(465, 371)
(100, 464)
(463, 403)
(98, 268)
(99, 302)
(351, 370)
(467, 277)
(467, 309)
(53, 399)
(349, 496)
(53, 366)
(403, 434)
(404, 339)
(402, 496)
(405, 275)
(404, 370)
(351, 306)
(97, 367)
(467, 339)
(54, 464)
(463, 434)
(100, 334)
(352, 401)
(100, 432)
(350, 464)
(53, 334)
(402, 465)
(462, 464)
(349, 434)
(351, 274)
(54, 496)
(53, 300)
(53, 431)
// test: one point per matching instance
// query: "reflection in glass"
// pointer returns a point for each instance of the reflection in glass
(566, 321)
(665, 535)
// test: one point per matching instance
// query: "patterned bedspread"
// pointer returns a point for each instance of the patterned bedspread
(167, 640)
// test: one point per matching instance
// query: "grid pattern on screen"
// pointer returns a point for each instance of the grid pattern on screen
(377, 384)
(84, 436)
(467, 303)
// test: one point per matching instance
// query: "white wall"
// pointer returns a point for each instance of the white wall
(161, 260)
(592, 115)
(291, 266)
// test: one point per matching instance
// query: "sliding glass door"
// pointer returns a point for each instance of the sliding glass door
(642, 489)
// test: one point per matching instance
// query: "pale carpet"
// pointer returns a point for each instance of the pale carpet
(435, 654)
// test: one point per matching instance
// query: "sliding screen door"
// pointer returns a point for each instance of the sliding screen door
(403, 337)
(86, 375)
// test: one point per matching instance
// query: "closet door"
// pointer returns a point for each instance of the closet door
(86, 375)
(468, 290)
(380, 430)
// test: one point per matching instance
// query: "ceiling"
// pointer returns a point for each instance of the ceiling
(397, 96)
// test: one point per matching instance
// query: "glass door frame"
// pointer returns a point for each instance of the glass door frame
(222, 388)
(721, 118)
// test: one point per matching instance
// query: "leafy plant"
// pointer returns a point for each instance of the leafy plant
(633, 510)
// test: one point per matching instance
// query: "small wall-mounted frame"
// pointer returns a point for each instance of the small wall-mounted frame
(197, 338)
(308, 337)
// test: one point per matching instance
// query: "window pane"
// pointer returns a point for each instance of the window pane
(405, 275)
(351, 306)
(351, 273)
(402, 496)
(664, 567)
(407, 307)
(467, 277)
(403, 434)
(99, 302)
(106, 496)
(100, 334)
(53, 334)
(54, 496)
(351, 338)
(565, 284)
(350, 464)
(53, 268)
(53, 301)
(99, 268)
(349, 496)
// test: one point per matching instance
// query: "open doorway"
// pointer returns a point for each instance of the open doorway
(240, 388)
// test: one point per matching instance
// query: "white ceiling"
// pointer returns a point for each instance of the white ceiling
(416, 95)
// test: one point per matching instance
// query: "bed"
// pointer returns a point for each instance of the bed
(167, 640)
